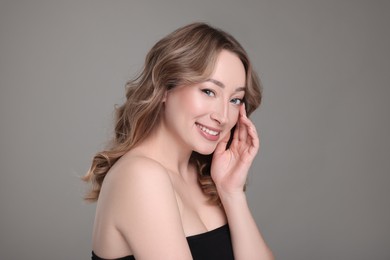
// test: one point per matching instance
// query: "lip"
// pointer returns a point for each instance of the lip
(208, 136)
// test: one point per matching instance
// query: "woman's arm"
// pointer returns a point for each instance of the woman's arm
(144, 209)
(246, 238)
(229, 171)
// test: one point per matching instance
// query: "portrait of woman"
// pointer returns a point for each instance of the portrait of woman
(177, 130)
(171, 185)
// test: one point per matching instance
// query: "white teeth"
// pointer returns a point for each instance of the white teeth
(204, 129)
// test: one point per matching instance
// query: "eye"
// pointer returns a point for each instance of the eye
(208, 92)
(237, 101)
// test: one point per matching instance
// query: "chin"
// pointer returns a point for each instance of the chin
(205, 151)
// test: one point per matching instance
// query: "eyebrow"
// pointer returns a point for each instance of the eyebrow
(221, 85)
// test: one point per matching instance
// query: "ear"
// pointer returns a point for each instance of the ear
(165, 96)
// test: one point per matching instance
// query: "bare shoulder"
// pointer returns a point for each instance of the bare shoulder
(140, 198)
(135, 176)
(138, 168)
(141, 201)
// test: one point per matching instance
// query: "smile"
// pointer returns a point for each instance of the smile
(207, 130)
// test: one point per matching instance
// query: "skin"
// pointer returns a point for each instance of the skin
(151, 199)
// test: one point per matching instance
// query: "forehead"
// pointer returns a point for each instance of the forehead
(229, 70)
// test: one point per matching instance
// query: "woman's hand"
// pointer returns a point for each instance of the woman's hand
(229, 168)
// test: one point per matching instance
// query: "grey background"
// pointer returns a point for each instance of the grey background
(319, 188)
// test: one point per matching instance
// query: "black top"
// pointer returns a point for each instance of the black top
(212, 245)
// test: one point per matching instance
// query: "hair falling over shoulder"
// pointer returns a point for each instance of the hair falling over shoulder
(185, 56)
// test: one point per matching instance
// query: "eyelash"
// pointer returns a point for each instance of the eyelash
(237, 99)
(211, 93)
(208, 92)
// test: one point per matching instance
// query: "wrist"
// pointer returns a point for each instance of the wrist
(235, 205)
(231, 196)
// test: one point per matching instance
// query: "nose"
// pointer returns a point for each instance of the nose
(220, 113)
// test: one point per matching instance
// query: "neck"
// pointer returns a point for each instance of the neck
(163, 147)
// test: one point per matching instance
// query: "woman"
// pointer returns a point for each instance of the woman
(171, 185)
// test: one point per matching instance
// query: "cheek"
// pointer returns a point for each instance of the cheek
(233, 117)
(186, 105)
(194, 103)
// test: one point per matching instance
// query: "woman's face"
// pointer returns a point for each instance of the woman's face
(199, 116)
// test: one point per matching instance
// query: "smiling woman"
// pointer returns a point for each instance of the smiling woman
(171, 184)
(212, 106)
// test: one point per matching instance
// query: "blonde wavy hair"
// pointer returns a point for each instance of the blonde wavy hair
(185, 56)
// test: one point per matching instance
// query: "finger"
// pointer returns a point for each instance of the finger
(251, 131)
(243, 131)
(253, 137)
(235, 134)
(246, 121)
(255, 140)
